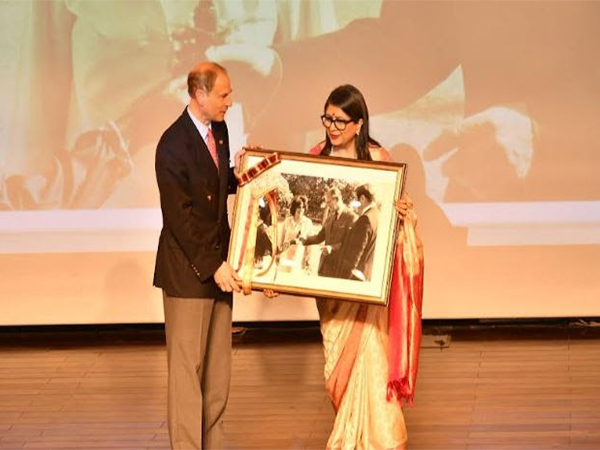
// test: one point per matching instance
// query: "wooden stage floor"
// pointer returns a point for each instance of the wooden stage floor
(495, 386)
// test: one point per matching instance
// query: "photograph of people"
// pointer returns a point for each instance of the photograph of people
(296, 227)
(336, 225)
(356, 254)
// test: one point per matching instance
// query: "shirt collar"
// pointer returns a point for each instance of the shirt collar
(369, 206)
(202, 129)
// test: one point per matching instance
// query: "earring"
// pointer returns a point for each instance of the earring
(358, 132)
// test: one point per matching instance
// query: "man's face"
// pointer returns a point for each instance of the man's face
(216, 103)
(332, 202)
(363, 203)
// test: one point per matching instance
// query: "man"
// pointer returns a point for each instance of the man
(356, 254)
(194, 179)
(332, 234)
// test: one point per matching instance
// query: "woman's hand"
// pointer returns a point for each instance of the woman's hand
(403, 205)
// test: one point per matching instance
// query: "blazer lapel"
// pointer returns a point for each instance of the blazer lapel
(223, 170)
(203, 155)
(329, 223)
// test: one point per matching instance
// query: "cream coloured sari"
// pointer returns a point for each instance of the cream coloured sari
(367, 396)
(355, 342)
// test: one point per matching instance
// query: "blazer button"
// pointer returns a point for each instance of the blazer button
(209, 197)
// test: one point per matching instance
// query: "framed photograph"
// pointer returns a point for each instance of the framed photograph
(316, 226)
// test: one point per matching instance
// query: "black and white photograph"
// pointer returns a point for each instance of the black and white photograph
(332, 232)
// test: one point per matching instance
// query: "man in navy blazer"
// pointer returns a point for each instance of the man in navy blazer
(333, 233)
(191, 262)
(356, 260)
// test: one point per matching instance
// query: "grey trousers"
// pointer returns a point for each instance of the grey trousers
(199, 359)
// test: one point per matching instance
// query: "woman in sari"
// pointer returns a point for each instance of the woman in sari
(371, 351)
(296, 226)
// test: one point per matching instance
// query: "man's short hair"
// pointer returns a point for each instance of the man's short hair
(203, 77)
(366, 190)
(334, 193)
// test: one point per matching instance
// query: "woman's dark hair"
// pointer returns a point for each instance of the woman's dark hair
(300, 200)
(265, 214)
(350, 100)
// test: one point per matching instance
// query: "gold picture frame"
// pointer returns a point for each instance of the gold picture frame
(298, 254)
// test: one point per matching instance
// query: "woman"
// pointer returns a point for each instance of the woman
(361, 342)
(264, 245)
(296, 226)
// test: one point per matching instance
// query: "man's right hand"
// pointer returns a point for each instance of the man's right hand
(227, 278)
(326, 249)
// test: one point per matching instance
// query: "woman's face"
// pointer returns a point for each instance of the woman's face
(341, 138)
(299, 212)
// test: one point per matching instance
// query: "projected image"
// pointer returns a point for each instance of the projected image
(490, 122)
(491, 96)
(92, 84)
(88, 90)
(493, 106)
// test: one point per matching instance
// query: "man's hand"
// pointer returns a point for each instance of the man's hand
(297, 241)
(488, 157)
(237, 168)
(254, 147)
(326, 249)
(226, 278)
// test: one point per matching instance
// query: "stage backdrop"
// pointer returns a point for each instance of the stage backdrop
(494, 106)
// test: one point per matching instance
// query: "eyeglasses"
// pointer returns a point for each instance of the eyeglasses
(339, 124)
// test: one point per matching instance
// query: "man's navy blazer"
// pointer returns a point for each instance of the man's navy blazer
(193, 196)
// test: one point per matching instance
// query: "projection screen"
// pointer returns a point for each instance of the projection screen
(494, 106)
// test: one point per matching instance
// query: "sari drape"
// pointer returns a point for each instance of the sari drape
(372, 352)
(371, 355)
